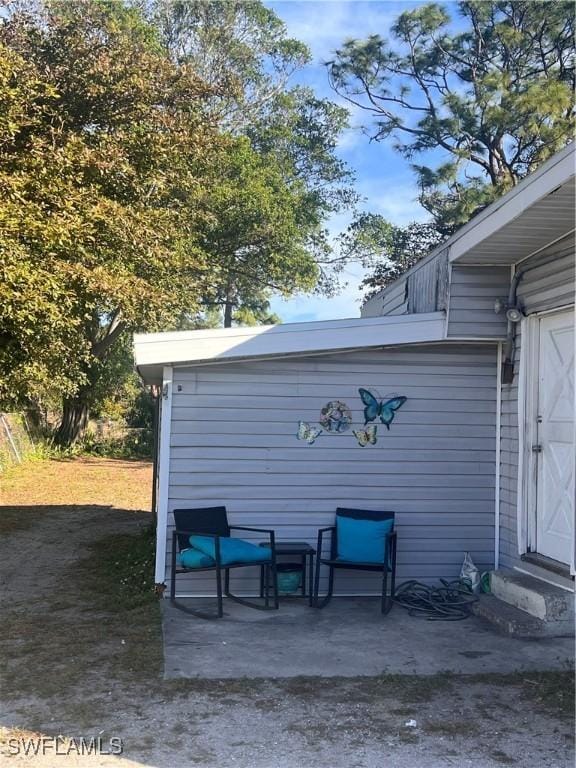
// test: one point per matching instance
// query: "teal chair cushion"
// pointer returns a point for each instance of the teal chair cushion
(362, 541)
(231, 550)
(193, 558)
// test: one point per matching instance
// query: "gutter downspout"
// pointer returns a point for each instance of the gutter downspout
(507, 375)
(509, 345)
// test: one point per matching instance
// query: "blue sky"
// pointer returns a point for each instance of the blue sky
(383, 177)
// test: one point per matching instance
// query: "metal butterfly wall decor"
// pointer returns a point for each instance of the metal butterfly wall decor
(336, 418)
(308, 432)
(366, 436)
(385, 409)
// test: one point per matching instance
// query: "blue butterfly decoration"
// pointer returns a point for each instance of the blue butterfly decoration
(385, 409)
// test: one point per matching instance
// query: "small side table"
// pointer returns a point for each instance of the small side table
(301, 549)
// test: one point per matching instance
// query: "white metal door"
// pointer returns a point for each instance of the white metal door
(555, 438)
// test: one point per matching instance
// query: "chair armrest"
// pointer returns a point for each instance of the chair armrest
(271, 534)
(195, 533)
(247, 528)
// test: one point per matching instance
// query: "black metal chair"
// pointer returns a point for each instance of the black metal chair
(387, 565)
(213, 522)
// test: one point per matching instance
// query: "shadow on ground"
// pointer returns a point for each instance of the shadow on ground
(82, 656)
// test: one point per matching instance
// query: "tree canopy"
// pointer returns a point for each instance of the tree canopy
(484, 106)
(102, 141)
(137, 194)
(243, 51)
(386, 249)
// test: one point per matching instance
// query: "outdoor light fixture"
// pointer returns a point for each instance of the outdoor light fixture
(514, 314)
(513, 311)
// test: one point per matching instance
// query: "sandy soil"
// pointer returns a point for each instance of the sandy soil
(73, 667)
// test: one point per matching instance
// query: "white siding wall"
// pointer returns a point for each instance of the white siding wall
(394, 301)
(545, 285)
(234, 443)
(390, 301)
(473, 291)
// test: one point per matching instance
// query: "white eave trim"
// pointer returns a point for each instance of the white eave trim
(551, 175)
(235, 344)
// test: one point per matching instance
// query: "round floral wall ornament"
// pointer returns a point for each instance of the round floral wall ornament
(335, 417)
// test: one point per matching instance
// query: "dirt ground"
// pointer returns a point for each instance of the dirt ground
(79, 661)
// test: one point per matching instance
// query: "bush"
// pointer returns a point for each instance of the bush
(134, 444)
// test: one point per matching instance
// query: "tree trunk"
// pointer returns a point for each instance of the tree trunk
(229, 307)
(74, 420)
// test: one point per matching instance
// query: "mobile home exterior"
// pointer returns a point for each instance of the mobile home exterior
(521, 250)
(457, 463)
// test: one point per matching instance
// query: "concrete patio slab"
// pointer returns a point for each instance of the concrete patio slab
(348, 638)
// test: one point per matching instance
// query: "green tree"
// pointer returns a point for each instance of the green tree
(238, 47)
(496, 98)
(243, 51)
(387, 250)
(103, 138)
(254, 233)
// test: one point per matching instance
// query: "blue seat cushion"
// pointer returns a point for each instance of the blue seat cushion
(193, 558)
(363, 541)
(231, 550)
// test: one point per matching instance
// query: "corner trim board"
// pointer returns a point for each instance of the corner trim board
(163, 474)
(498, 458)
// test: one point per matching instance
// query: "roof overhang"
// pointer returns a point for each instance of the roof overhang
(153, 351)
(535, 213)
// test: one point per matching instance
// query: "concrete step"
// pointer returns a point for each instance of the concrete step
(538, 598)
(512, 621)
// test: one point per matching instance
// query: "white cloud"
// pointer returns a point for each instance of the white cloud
(325, 25)
(398, 202)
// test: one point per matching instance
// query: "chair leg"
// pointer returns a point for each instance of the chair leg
(324, 602)
(384, 590)
(310, 580)
(386, 601)
(316, 582)
(173, 580)
(219, 590)
(273, 573)
(265, 585)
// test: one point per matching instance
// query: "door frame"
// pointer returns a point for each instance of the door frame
(528, 391)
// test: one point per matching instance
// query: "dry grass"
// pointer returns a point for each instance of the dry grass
(76, 614)
(81, 657)
(82, 481)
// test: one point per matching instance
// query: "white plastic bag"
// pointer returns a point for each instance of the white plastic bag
(469, 574)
